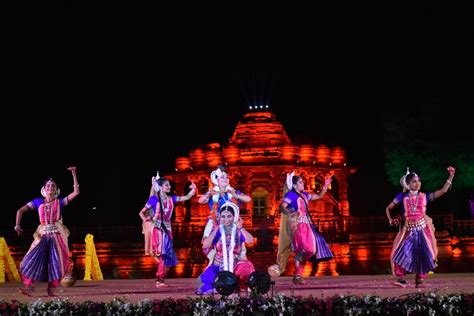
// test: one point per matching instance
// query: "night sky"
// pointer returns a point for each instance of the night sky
(114, 105)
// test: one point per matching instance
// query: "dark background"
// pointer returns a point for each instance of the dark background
(120, 104)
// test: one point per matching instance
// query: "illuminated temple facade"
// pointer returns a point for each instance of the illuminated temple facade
(258, 156)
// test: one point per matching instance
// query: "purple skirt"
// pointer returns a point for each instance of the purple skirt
(414, 254)
(47, 261)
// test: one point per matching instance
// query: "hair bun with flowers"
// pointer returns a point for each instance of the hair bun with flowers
(154, 182)
(289, 180)
(215, 175)
(403, 181)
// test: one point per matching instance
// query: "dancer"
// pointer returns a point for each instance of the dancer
(227, 240)
(48, 257)
(156, 217)
(414, 249)
(298, 230)
(221, 193)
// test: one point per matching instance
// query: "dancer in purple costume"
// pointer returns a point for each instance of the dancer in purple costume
(301, 233)
(156, 216)
(414, 249)
(227, 240)
(47, 260)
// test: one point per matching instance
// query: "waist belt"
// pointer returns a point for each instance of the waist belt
(416, 225)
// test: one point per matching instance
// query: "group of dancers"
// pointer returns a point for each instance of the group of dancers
(224, 237)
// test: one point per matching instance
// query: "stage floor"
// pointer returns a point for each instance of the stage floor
(139, 289)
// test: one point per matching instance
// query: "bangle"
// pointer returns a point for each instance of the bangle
(16, 227)
(75, 186)
(449, 181)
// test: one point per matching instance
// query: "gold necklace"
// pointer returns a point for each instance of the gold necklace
(414, 206)
(48, 210)
(164, 201)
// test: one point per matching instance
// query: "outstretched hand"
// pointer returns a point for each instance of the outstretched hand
(192, 186)
(72, 169)
(328, 179)
(451, 170)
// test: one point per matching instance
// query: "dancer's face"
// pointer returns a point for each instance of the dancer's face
(166, 187)
(50, 188)
(227, 218)
(415, 184)
(223, 180)
(299, 186)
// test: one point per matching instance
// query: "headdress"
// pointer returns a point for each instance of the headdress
(403, 181)
(215, 175)
(154, 182)
(289, 180)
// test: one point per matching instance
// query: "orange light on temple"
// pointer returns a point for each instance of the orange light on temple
(179, 268)
(345, 260)
(232, 154)
(289, 153)
(307, 153)
(338, 155)
(214, 155)
(322, 154)
(454, 240)
(457, 252)
(183, 163)
(361, 254)
(327, 268)
(345, 205)
(198, 157)
(307, 270)
(275, 240)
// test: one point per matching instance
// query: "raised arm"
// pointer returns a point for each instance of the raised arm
(237, 195)
(240, 196)
(205, 197)
(447, 184)
(207, 242)
(189, 195)
(19, 214)
(75, 193)
(248, 236)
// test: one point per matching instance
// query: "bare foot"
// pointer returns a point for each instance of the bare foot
(28, 291)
